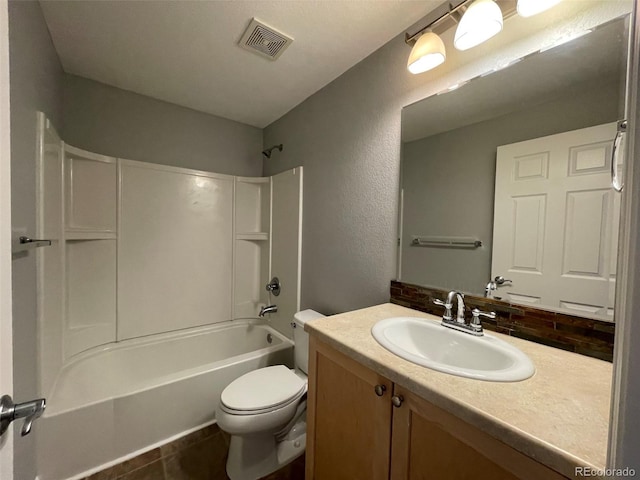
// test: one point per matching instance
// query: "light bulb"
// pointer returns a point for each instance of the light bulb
(427, 53)
(481, 21)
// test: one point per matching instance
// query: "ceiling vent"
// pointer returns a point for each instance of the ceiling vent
(264, 40)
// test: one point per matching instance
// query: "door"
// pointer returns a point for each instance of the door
(556, 221)
(429, 443)
(351, 438)
(6, 349)
(286, 246)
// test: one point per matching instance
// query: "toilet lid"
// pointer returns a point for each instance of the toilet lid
(263, 388)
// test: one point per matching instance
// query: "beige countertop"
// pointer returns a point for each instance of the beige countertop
(560, 416)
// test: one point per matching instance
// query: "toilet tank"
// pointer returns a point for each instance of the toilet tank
(301, 338)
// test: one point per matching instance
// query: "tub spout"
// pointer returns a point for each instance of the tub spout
(268, 309)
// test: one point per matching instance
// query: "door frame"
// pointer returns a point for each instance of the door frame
(624, 430)
(6, 334)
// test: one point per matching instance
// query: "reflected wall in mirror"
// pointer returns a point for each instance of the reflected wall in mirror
(509, 175)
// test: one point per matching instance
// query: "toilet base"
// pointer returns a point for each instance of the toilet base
(255, 456)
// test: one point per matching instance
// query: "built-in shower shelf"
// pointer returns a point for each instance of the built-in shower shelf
(90, 235)
(259, 236)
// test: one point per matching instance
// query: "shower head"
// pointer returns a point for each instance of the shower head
(267, 152)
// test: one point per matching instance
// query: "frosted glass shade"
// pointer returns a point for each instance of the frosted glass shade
(528, 8)
(427, 53)
(481, 21)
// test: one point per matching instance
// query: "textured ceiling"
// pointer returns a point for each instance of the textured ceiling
(187, 52)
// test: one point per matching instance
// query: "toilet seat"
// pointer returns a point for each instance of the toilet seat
(262, 391)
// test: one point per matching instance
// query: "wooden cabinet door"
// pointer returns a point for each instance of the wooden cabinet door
(429, 443)
(352, 438)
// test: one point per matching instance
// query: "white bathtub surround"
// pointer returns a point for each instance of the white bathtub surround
(286, 245)
(252, 243)
(139, 251)
(264, 411)
(122, 398)
(268, 238)
(175, 248)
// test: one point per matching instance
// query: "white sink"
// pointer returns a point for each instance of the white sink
(428, 343)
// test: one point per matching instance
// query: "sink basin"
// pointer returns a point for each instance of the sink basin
(428, 343)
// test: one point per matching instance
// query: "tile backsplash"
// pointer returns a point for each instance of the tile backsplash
(586, 336)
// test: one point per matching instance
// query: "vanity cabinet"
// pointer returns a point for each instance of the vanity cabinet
(363, 426)
(348, 424)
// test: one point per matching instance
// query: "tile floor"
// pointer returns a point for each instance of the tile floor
(200, 455)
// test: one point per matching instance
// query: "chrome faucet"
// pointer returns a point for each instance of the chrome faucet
(459, 323)
(448, 305)
(460, 298)
(268, 309)
(493, 285)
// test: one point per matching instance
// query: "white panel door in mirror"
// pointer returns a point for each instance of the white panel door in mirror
(551, 186)
(527, 247)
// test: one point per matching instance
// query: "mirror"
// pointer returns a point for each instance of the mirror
(509, 175)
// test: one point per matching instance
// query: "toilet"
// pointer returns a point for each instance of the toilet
(264, 411)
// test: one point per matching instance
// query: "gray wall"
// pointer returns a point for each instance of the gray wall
(36, 84)
(449, 181)
(347, 136)
(111, 121)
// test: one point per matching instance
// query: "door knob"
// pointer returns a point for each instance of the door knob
(10, 411)
(380, 389)
(397, 400)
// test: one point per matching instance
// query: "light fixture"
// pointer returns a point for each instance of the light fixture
(427, 53)
(528, 8)
(481, 21)
(477, 20)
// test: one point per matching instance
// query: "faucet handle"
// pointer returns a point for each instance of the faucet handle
(478, 313)
(439, 302)
(274, 286)
(447, 308)
(476, 324)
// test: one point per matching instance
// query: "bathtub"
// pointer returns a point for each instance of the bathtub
(116, 401)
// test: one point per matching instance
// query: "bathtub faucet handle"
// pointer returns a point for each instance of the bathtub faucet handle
(274, 286)
(10, 411)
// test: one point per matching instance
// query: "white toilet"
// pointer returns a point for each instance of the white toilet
(264, 411)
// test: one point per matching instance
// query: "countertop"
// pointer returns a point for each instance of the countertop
(560, 416)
